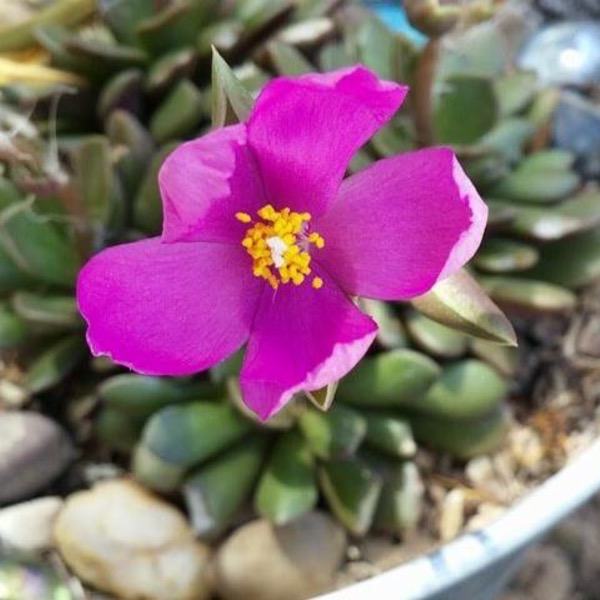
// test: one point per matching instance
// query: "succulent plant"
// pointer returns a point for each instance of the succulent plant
(89, 180)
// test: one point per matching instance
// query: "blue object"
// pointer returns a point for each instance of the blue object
(394, 16)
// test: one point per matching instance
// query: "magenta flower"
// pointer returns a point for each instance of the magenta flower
(264, 243)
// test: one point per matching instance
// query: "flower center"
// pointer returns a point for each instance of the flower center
(278, 243)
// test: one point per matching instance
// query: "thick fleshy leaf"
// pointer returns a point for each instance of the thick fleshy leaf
(302, 339)
(204, 183)
(168, 309)
(460, 303)
(401, 225)
(304, 131)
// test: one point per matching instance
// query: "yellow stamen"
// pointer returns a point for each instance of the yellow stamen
(278, 245)
(243, 217)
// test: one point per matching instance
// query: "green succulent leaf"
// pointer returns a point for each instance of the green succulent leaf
(47, 312)
(434, 338)
(462, 439)
(390, 434)
(215, 492)
(391, 379)
(185, 435)
(529, 296)
(231, 102)
(335, 434)
(500, 255)
(466, 390)
(460, 303)
(140, 396)
(459, 96)
(14, 332)
(287, 487)
(54, 364)
(352, 491)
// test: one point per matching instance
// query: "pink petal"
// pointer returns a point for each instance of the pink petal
(203, 183)
(302, 339)
(168, 309)
(401, 225)
(304, 131)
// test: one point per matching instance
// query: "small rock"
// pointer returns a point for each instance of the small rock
(34, 450)
(576, 128)
(452, 515)
(566, 53)
(526, 448)
(486, 513)
(123, 540)
(296, 561)
(28, 526)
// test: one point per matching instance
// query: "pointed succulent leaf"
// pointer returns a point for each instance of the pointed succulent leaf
(434, 338)
(334, 434)
(14, 332)
(215, 492)
(401, 503)
(93, 177)
(35, 246)
(166, 71)
(179, 114)
(154, 472)
(48, 312)
(127, 133)
(147, 205)
(574, 215)
(231, 102)
(352, 491)
(186, 435)
(141, 395)
(124, 91)
(508, 138)
(515, 91)
(529, 296)
(390, 379)
(287, 60)
(54, 363)
(503, 358)
(390, 434)
(323, 398)
(122, 16)
(459, 96)
(170, 28)
(118, 431)
(466, 390)
(500, 255)
(462, 439)
(287, 487)
(572, 263)
(460, 303)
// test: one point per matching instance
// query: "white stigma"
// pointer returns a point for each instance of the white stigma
(278, 247)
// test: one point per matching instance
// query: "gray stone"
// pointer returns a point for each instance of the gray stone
(34, 451)
(263, 562)
(576, 127)
(125, 541)
(565, 53)
(28, 526)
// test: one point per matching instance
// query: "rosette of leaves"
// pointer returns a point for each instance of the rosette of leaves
(87, 187)
(196, 438)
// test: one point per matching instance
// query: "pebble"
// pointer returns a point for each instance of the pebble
(566, 53)
(28, 526)
(576, 128)
(34, 451)
(452, 515)
(263, 562)
(125, 541)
